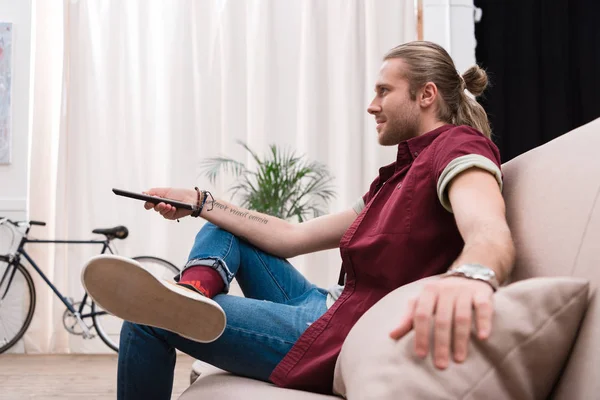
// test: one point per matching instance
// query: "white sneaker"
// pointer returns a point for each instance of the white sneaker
(124, 288)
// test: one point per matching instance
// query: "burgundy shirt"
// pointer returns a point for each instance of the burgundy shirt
(402, 235)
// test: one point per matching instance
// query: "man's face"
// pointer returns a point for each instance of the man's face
(397, 116)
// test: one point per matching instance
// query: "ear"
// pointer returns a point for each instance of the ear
(427, 95)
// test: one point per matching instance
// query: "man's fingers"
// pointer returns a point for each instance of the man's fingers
(172, 212)
(482, 301)
(448, 305)
(463, 313)
(169, 212)
(165, 210)
(148, 205)
(406, 323)
(443, 329)
(422, 320)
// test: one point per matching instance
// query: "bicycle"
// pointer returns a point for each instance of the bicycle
(18, 295)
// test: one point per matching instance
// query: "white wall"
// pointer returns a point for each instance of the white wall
(450, 23)
(13, 177)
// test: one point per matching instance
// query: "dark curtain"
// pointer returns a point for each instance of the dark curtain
(543, 60)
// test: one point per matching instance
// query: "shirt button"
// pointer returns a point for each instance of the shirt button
(399, 186)
(416, 153)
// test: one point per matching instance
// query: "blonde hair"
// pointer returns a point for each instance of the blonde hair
(429, 62)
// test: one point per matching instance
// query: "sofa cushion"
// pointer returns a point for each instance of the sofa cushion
(214, 383)
(534, 326)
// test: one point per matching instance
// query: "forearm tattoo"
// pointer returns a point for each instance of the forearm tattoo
(238, 213)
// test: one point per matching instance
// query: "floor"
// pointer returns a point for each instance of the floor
(70, 377)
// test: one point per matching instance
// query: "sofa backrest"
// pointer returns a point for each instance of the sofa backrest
(553, 209)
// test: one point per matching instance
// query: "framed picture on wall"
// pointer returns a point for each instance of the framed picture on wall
(6, 30)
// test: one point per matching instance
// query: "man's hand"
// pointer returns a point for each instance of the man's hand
(167, 211)
(449, 303)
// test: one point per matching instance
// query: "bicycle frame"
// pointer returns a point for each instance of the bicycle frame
(22, 251)
(16, 258)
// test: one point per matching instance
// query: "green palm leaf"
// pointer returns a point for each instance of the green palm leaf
(212, 166)
(284, 185)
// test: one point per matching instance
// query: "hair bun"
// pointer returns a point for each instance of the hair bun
(476, 80)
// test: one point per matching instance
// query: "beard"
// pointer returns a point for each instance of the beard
(404, 126)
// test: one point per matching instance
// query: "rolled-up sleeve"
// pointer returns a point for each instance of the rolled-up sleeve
(461, 149)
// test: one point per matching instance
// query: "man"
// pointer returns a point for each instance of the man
(438, 208)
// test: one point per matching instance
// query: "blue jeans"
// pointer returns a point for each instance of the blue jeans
(261, 327)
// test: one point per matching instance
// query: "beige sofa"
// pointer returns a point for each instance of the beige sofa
(553, 207)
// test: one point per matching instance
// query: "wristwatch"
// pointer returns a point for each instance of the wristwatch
(475, 271)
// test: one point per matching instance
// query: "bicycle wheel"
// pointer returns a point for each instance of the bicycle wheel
(17, 303)
(107, 325)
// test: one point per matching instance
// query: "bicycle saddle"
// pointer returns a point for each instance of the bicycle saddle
(118, 232)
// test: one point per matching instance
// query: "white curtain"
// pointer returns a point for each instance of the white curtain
(134, 94)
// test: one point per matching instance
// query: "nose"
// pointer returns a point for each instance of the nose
(374, 107)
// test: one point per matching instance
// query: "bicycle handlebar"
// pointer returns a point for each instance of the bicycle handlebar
(16, 223)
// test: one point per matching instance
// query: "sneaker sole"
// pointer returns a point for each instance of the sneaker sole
(125, 289)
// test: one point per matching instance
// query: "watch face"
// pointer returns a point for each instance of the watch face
(478, 270)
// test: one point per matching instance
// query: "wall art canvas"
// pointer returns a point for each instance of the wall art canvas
(5, 90)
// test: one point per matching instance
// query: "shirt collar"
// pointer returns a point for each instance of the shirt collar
(410, 149)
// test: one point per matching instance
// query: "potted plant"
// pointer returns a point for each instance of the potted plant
(284, 185)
